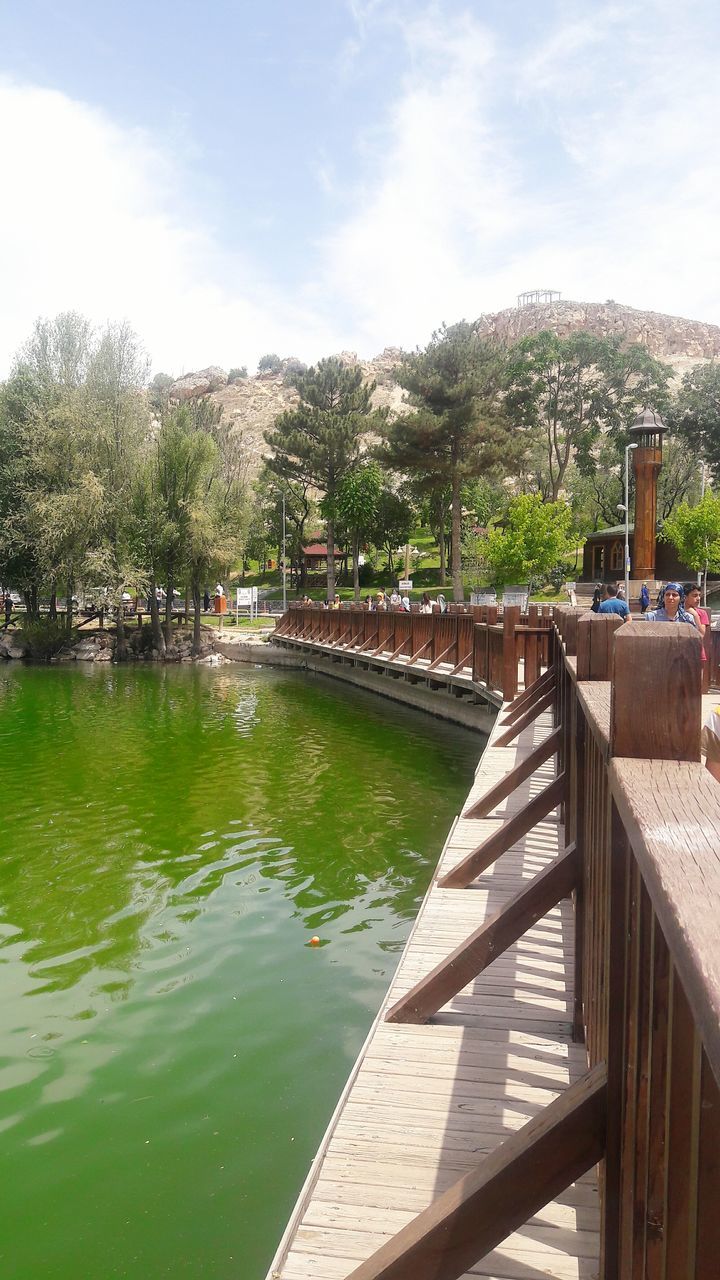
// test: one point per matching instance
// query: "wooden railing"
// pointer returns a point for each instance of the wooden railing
(641, 858)
(496, 650)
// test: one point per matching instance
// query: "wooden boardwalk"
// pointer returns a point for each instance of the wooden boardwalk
(424, 1103)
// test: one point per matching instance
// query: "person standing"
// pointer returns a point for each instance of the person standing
(701, 618)
(671, 607)
(613, 604)
(644, 598)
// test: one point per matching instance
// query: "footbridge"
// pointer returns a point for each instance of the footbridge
(539, 1094)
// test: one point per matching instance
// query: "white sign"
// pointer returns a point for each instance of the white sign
(247, 598)
(515, 598)
(405, 584)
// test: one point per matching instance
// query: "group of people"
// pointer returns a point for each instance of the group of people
(387, 600)
(677, 602)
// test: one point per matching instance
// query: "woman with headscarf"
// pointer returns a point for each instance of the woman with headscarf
(443, 603)
(671, 607)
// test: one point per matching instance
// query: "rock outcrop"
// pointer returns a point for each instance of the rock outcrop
(680, 343)
(251, 405)
(198, 384)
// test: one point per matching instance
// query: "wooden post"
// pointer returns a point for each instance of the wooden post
(656, 699)
(594, 644)
(511, 619)
(572, 618)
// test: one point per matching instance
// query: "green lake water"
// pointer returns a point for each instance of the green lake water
(171, 1046)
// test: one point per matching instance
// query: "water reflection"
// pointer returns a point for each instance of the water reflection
(171, 839)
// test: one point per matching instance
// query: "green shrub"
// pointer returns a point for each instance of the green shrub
(43, 638)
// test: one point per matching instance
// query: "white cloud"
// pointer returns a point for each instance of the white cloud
(457, 213)
(582, 159)
(89, 222)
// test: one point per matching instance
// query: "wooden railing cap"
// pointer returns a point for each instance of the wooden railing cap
(656, 700)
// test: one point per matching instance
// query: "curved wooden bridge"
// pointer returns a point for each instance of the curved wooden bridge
(539, 1093)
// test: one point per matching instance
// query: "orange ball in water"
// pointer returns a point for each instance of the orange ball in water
(315, 941)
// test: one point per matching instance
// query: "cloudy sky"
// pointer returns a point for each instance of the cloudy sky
(307, 176)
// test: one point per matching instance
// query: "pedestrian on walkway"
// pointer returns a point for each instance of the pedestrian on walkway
(613, 604)
(671, 607)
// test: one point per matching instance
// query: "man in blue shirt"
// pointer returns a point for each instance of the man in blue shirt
(611, 604)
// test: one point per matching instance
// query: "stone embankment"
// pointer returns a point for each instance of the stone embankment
(217, 647)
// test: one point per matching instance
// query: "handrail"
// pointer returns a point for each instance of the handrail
(641, 855)
(646, 818)
(499, 649)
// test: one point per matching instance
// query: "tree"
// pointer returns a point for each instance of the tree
(184, 458)
(300, 508)
(319, 441)
(239, 374)
(393, 523)
(58, 352)
(65, 494)
(356, 506)
(116, 375)
(566, 391)
(458, 430)
(270, 363)
(536, 537)
(19, 566)
(695, 533)
(695, 412)
(158, 393)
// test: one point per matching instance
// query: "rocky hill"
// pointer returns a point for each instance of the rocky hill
(680, 343)
(252, 404)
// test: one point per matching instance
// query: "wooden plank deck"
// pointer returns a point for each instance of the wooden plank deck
(425, 1103)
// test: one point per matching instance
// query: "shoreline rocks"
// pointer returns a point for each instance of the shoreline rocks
(217, 647)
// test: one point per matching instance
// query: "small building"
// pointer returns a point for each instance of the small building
(604, 558)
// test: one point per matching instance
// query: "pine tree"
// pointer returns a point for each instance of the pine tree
(319, 441)
(459, 430)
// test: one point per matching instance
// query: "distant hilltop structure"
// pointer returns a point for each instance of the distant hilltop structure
(680, 343)
(537, 297)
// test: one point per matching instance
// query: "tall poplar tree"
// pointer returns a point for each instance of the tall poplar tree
(458, 430)
(319, 441)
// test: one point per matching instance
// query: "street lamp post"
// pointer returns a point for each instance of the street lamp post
(700, 572)
(284, 571)
(628, 448)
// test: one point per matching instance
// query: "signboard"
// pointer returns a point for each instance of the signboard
(516, 598)
(483, 597)
(246, 598)
(405, 584)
